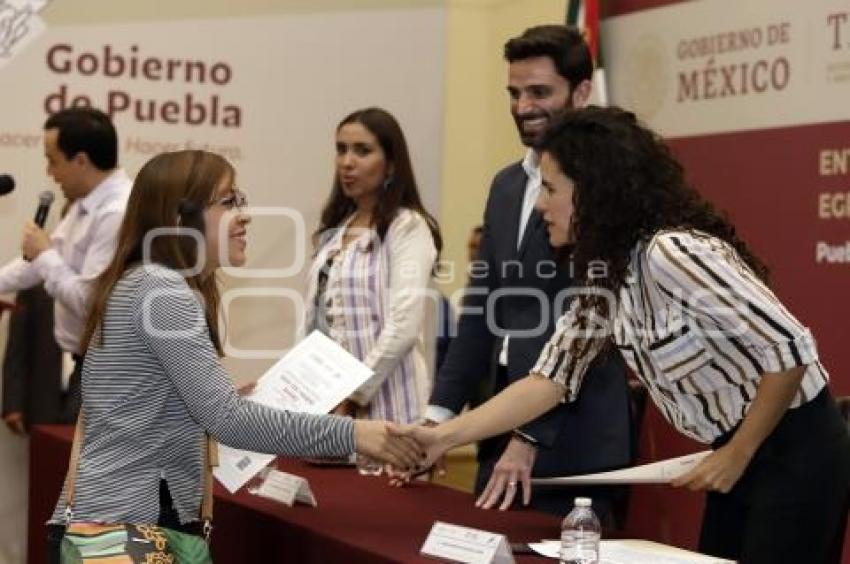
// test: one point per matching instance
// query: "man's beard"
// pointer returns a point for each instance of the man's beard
(530, 139)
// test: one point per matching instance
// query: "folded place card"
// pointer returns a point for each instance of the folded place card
(462, 544)
(285, 488)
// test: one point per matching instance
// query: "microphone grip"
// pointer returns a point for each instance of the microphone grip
(44, 201)
(41, 214)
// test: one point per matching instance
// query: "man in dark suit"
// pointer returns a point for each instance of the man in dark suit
(512, 304)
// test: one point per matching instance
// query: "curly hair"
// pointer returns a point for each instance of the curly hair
(628, 187)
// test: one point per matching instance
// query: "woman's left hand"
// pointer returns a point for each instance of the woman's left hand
(719, 471)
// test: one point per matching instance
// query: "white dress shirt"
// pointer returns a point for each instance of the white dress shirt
(531, 166)
(81, 247)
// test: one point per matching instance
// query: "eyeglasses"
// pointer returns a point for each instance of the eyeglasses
(235, 200)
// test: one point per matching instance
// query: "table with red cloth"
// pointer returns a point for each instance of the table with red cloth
(358, 519)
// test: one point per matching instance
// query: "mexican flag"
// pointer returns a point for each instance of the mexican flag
(584, 15)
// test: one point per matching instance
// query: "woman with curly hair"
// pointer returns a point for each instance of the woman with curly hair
(669, 284)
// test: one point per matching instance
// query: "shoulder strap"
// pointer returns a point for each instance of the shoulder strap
(210, 460)
(71, 476)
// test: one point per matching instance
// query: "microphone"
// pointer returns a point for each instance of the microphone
(45, 199)
(7, 184)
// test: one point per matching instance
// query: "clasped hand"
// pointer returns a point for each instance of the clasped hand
(400, 446)
(512, 472)
(34, 241)
(408, 450)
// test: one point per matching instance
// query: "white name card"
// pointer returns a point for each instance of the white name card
(285, 488)
(470, 546)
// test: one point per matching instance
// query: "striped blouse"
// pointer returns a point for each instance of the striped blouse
(374, 301)
(151, 390)
(698, 328)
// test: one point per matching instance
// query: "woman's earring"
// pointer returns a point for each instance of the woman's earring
(388, 182)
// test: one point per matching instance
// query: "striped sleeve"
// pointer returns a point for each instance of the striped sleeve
(706, 277)
(575, 343)
(171, 321)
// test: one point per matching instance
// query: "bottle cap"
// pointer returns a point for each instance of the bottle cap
(583, 502)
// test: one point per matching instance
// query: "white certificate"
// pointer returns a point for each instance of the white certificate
(634, 552)
(662, 472)
(313, 377)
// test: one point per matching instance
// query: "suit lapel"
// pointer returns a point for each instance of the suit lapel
(532, 231)
(513, 207)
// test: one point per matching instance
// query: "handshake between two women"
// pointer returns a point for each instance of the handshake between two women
(408, 449)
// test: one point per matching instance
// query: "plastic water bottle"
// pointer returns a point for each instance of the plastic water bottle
(580, 533)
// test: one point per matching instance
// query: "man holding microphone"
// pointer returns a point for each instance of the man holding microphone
(81, 148)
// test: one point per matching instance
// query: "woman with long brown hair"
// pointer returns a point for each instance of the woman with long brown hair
(153, 383)
(376, 248)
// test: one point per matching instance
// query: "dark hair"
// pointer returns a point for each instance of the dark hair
(401, 192)
(628, 187)
(171, 189)
(563, 44)
(89, 131)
